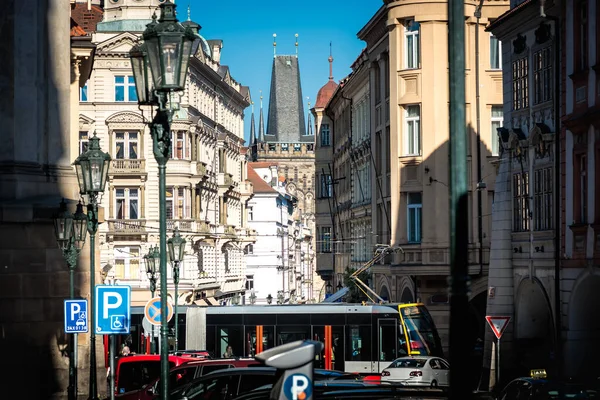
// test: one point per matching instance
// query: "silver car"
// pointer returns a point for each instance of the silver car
(418, 371)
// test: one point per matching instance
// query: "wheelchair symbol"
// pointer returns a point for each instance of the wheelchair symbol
(117, 322)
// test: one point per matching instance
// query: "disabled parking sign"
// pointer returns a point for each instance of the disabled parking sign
(113, 309)
(76, 316)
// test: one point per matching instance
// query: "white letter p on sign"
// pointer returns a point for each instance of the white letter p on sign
(118, 300)
(75, 310)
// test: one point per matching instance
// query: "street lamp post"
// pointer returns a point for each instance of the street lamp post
(269, 299)
(92, 170)
(150, 259)
(70, 231)
(160, 67)
(176, 246)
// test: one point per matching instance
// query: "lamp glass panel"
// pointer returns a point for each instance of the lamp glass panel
(171, 59)
(96, 179)
(105, 169)
(63, 229)
(171, 250)
(154, 60)
(139, 74)
(79, 231)
(80, 178)
(186, 51)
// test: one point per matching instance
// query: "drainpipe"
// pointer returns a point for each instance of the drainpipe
(480, 185)
(557, 199)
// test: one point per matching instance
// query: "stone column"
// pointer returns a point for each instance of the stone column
(142, 202)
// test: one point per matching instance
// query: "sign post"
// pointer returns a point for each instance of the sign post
(113, 317)
(153, 313)
(498, 325)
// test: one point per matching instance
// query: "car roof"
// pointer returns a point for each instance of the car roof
(242, 371)
(218, 361)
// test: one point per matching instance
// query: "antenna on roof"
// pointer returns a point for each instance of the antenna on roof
(274, 45)
(296, 45)
(261, 97)
(330, 59)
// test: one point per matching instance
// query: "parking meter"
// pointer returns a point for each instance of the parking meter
(294, 363)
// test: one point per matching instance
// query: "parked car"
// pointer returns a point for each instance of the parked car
(418, 371)
(538, 386)
(184, 374)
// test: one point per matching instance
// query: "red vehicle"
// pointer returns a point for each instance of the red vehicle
(136, 371)
(183, 374)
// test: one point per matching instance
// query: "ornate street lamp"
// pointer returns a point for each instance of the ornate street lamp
(92, 171)
(280, 297)
(70, 232)
(160, 67)
(339, 285)
(176, 246)
(328, 288)
(151, 259)
(252, 297)
(269, 299)
(235, 300)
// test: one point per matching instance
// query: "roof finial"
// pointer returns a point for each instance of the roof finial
(274, 45)
(252, 106)
(330, 63)
(189, 13)
(296, 45)
(261, 97)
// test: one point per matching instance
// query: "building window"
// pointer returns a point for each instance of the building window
(250, 213)
(249, 282)
(325, 239)
(177, 203)
(126, 145)
(226, 260)
(83, 141)
(542, 197)
(127, 262)
(413, 131)
(325, 136)
(581, 187)
(415, 206)
(297, 147)
(542, 75)
(326, 186)
(520, 90)
(83, 93)
(497, 118)
(495, 53)
(521, 202)
(412, 43)
(125, 88)
(285, 146)
(180, 149)
(581, 49)
(127, 203)
(249, 249)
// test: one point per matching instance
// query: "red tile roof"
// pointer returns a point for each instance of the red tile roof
(76, 30)
(262, 164)
(87, 19)
(325, 94)
(260, 186)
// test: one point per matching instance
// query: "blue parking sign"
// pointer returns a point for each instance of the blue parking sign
(76, 316)
(113, 309)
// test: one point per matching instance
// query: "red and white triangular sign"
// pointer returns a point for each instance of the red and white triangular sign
(498, 324)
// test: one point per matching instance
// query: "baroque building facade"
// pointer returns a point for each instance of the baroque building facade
(288, 141)
(206, 174)
(409, 131)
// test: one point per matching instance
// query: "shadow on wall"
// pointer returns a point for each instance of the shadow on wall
(34, 109)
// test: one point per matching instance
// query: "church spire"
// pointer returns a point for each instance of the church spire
(252, 128)
(330, 63)
(261, 122)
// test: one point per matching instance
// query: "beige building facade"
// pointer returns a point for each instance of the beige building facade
(206, 174)
(408, 52)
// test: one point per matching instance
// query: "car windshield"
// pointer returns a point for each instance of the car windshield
(410, 363)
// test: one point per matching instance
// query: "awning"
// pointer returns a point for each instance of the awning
(337, 295)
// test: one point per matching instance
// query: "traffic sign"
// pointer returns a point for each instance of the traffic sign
(113, 309)
(152, 311)
(76, 316)
(498, 324)
(149, 329)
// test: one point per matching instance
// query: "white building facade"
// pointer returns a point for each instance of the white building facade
(206, 186)
(280, 261)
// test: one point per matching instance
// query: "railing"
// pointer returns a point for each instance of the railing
(129, 166)
(183, 224)
(126, 226)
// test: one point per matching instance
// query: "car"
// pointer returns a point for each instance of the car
(182, 375)
(418, 371)
(538, 386)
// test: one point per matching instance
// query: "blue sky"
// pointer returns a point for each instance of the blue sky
(246, 28)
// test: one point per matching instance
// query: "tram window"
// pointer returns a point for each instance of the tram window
(229, 336)
(358, 319)
(358, 343)
(288, 334)
(260, 319)
(293, 319)
(327, 319)
(387, 342)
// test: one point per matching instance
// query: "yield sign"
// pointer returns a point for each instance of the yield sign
(498, 324)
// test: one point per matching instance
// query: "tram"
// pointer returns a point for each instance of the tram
(357, 338)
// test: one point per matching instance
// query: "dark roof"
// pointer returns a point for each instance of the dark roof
(504, 17)
(286, 122)
(260, 186)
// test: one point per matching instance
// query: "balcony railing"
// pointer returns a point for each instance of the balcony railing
(126, 226)
(127, 167)
(183, 224)
(225, 179)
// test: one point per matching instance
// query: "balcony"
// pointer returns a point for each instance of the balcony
(127, 167)
(176, 166)
(246, 234)
(225, 179)
(183, 224)
(226, 230)
(126, 227)
(201, 169)
(246, 188)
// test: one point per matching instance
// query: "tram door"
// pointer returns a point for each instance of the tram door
(387, 341)
(258, 339)
(332, 355)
